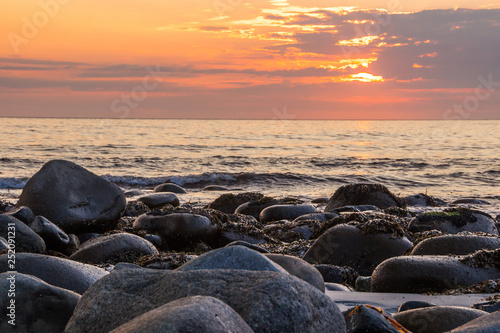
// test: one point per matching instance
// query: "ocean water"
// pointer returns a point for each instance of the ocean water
(446, 159)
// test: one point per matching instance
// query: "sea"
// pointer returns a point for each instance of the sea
(303, 158)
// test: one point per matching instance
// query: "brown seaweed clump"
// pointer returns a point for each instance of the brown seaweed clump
(484, 287)
(380, 226)
(483, 259)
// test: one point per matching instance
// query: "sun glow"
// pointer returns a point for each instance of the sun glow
(364, 77)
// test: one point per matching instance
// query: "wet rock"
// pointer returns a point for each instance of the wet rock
(470, 201)
(233, 257)
(267, 301)
(285, 212)
(337, 287)
(322, 200)
(360, 246)
(156, 200)
(55, 239)
(423, 200)
(488, 306)
(291, 231)
(300, 269)
(323, 217)
(87, 236)
(453, 221)
(26, 240)
(4, 245)
(254, 208)
(436, 319)
(365, 318)
(23, 214)
(337, 274)
(73, 198)
(412, 305)
(364, 284)
(229, 202)
(363, 194)
(190, 314)
(133, 193)
(484, 324)
(136, 208)
(39, 307)
(169, 187)
(62, 273)
(421, 274)
(455, 244)
(114, 248)
(214, 188)
(155, 240)
(250, 246)
(177, 229)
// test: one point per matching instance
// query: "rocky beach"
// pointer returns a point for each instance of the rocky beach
(85, 255)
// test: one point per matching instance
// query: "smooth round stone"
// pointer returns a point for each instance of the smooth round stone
(26, 240)
(229, 202)
(23, 214)
(412, 305)
(87, 236)
(336, 287)
(285, 212)
(156, 240)
(133, 193)
(55, 238)
(114, 248)
(169, 187)
(470, 201)
(453, 222)
(39, 307)
(233, 257)
(270, 302)
(484, 324)
(423, 200)
(364, 284)
(363, 194)
(421, 274)
(436, 319)
(455, 245)
(488, 306)
(156, 200)
(368, 319)
(300, 269)
(214, 188)
(59, 272)
(347, 245)
(190, 314)
(73, 198)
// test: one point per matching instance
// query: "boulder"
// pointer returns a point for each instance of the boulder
(229, 202)
(484, 324)
(455, 245)
(73, 198)
(54, 237)
(177, 229)
(254, 208)
(363, 284)
(421, 274)
(436, 319)
(169, 187)
(285, 212)
(26, 240)
(411, 305)
(111, 249)
(233, 257)
(365, 318)
(454, 221)
(157, 200)
(300, 269)
(62, 273)
(23, 214)
(37, 307)
(267, 301)
(357, 246)
(190, 314)
(423, 200)
(363, 194)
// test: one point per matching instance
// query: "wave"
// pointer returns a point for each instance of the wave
(13, 183)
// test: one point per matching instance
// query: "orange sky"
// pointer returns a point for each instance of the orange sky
(249, 59)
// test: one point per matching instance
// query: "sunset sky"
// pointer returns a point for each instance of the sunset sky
(274, 59)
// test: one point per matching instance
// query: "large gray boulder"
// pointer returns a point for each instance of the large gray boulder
(436, 319)
(26, 240)
(73, 198)
(455, 244)
(122, 247)
(363, 194)
(285, 212)
(421, 274)
(356, 246)
(63, 273)
(267, 301)
(37, 307)
(299, 268)
(484, 324)
(454, 221)
(190, 314)
(232, 257)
